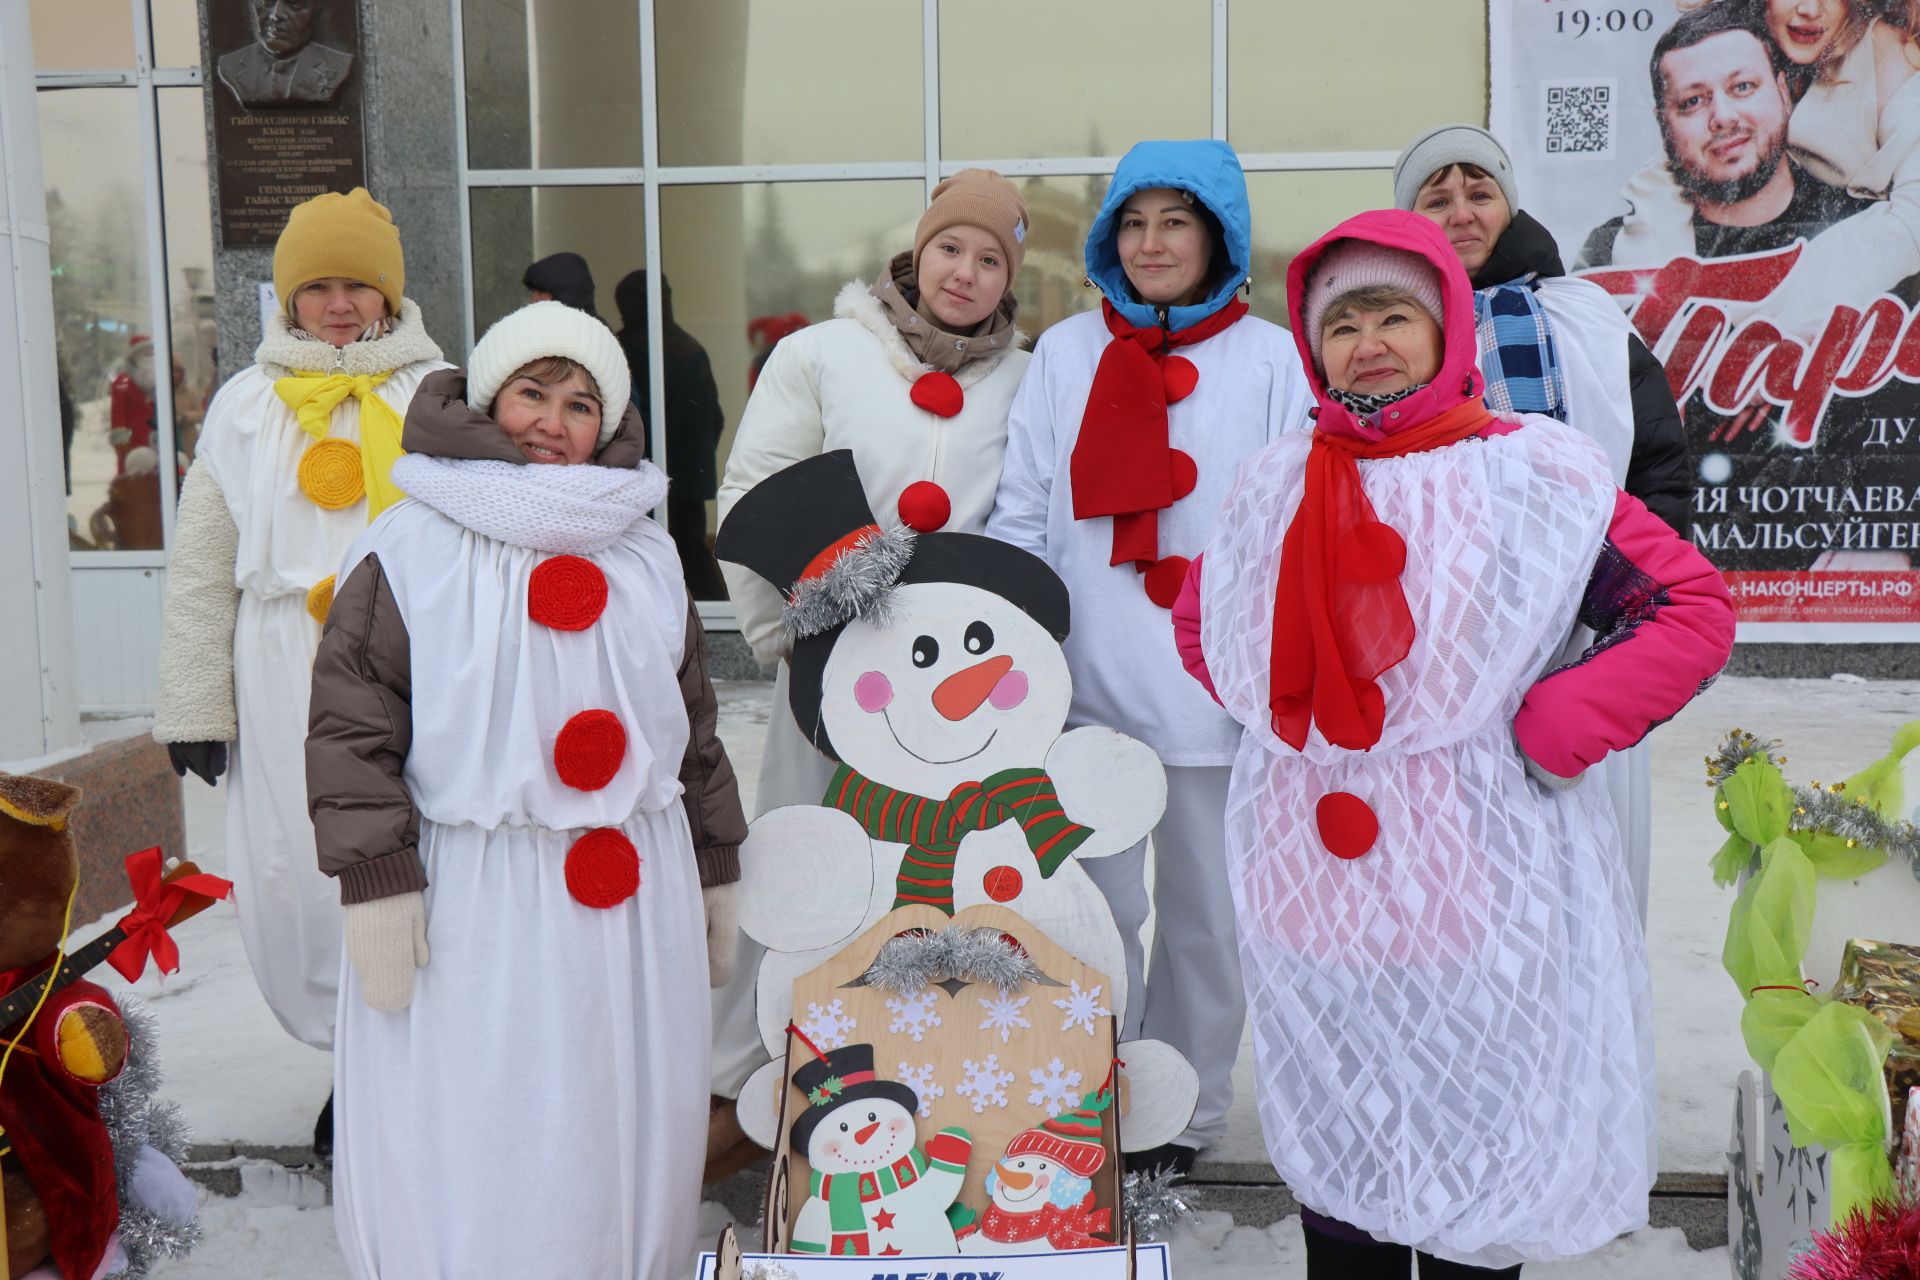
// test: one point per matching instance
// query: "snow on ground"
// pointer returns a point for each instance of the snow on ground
(239, 1078)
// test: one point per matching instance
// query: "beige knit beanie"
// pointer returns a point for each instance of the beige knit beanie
(549, 328)
(977, 198)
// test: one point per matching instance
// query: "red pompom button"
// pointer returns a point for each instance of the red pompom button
(566, 593)
(938, 394)
(603, 870)
(1181, 377)
(589, 749)
(925, 507)
(1003, 884)
(1164, 580)
(1186, 473)
(1372, 552)
(1347, 825)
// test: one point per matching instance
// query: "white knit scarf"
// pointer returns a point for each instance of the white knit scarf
(558, 510)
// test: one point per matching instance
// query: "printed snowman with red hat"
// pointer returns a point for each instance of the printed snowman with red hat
(1041, 1192)
(872, 1192)
(930, 666)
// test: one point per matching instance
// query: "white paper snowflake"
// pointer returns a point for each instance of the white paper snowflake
(920, 1080)
(828, 1027)
(1082, 1007)
(913, 1014)
(986, 1083)
(1056, 1087)
(1003, 1015)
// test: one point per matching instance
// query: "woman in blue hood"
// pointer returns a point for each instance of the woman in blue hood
(1122, 441)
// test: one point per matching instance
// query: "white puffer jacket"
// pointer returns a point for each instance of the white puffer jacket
(845, 384)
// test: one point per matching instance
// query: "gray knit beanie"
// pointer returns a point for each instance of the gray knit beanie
(1451, 144)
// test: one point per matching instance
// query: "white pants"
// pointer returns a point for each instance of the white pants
(1191, 996)
(791, 772)
(1629, 778)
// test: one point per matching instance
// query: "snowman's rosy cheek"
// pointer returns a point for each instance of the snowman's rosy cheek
(873, 691)
(1010, 691)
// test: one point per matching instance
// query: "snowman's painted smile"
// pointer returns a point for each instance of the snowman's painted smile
(927, 759)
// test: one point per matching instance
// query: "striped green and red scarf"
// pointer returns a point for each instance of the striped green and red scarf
(932, 829)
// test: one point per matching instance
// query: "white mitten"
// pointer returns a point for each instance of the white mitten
(722, 902)
(387, 941)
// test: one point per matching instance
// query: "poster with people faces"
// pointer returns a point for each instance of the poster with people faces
(1744, 177)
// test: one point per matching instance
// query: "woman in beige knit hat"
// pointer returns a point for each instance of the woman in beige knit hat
(293, 462)
(915, 374)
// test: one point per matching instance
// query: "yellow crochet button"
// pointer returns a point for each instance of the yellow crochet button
(330, 474)
(320, 599)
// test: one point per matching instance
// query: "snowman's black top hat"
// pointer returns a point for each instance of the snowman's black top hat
(844, 1075)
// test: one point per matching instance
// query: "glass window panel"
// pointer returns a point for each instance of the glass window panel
(1423, 64)
(189, 229)
(96, 211)
(1073, 77)
(1291, 211)
(801, 83)
(804, 240)
(176, 33)
(552, 83)
(514, 227)
(81, 35)
(1052, 284)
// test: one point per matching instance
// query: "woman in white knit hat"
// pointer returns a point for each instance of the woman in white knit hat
(524, 824)
(293, 461)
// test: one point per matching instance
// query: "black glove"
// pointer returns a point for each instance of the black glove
(208, 760)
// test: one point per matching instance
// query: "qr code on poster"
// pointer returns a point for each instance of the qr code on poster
(1579, 118)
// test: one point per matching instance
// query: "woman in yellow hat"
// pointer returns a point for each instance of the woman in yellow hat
(293, 463)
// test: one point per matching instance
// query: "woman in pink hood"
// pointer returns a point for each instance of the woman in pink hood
(1440, 946)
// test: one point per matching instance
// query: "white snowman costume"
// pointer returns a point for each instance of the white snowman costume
(252, 544)
(529, 1112)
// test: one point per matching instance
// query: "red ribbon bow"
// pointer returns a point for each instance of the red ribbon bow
(155, 901)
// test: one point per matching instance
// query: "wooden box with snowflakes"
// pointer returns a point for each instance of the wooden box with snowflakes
(961, 1117)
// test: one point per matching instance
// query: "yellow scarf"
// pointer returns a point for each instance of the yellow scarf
(313, 396)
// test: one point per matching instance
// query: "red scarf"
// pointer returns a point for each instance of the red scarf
(1122, 465)
(1340, 617)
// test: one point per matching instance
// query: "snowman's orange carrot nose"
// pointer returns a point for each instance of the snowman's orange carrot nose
(960, 694)
(1018, 1181)
(865, 1133)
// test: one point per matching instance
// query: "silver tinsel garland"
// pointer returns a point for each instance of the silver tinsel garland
(135, 1118)
(768, 1271)
(915, 962)
(1152, 1205)
(1828, 810)
(859, 584)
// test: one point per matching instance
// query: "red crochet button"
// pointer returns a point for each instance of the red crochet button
(1372, 552)
(938, 394)
(1348, 826)
(1003, 884)
(924, 506)
(1180, 377)
(603, 869)
(1165, 578)
(588, 750)
(1186, 473)
(566, 593)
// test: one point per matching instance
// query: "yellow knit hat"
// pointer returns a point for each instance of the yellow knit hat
(335, 235)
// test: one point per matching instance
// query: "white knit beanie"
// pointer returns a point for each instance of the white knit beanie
(1452, 144)
(1356, 264)
(542, 329)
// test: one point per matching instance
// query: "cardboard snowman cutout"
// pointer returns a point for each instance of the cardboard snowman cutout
(1040, 1193)
(930, 667)
(872, 1192)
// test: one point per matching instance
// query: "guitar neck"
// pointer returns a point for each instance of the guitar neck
(18, 1003)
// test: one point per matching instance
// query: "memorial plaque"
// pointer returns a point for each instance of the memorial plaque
(286, 89)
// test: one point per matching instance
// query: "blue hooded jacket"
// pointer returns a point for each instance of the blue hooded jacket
(1211, 171)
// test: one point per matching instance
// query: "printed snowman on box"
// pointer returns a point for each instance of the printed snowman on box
(929, 665)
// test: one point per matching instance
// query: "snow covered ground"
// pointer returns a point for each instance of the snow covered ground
(240, 1079)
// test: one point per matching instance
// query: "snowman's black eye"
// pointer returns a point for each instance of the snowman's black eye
(979, 637)
(873, 1115)
(843, 1126)
(926, 650)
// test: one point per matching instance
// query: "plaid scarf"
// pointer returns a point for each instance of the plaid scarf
(932, 829)
(1517, 354)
